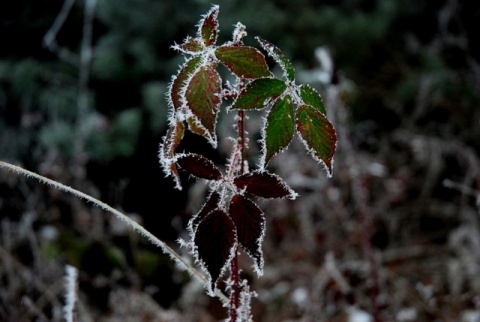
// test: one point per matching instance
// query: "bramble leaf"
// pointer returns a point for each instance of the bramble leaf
(167, 151)
(195, 127)
(317, 134)
(243, 61)
(264, 184)
(311, 97)
(274, 52)
(250, 223)
(216, 242)
(199, 166)
(178, 83)
(211, 204)
(209, 27)
(279, 128)
(259, 93)
(190, 46)
(203, 98)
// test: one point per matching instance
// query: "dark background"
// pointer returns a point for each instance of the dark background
(404, 194)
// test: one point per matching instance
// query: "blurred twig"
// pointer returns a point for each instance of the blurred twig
(49, 40)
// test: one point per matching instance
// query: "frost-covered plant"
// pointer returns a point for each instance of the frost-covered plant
(230, 219)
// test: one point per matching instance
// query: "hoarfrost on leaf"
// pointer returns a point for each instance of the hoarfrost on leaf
(216, 243)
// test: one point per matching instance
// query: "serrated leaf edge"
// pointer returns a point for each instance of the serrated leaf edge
(202, 264)
(312, 151)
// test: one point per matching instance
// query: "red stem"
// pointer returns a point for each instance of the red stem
(234, 270)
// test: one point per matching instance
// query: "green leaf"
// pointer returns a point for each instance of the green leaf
(209, 27)
(311, 97)
(274, 52)
(203, 98)
(318, 135)
(259, 93)
(178, 83)
(243, 61)
(279, 128)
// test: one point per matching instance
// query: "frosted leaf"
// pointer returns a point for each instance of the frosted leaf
(167, 151)
(211, 204)
(310, 97)
(216, 242)
(208, 27)
(243, 61)
(190, 46)
(277, 55)
(250, 223)
(279, 129)
(177, 87)
(203, 98)
(264, 184)
(199, 166)
(259, 93)
(318, 135)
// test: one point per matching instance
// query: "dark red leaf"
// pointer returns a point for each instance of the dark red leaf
(215, 240)
(199, 166)
(264, 184)
(210, 205)
(250, 223)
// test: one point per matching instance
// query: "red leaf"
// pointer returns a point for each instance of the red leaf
(243, 61)
(215, 241)
(211, 204)
(250, 223)
(264, 184)
(317, 134)
(209, 27)
(199, 166)
(203, 98)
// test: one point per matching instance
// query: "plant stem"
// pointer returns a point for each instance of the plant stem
(234, 270)
(235, 291)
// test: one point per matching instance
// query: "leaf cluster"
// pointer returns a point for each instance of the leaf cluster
(230, 218)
